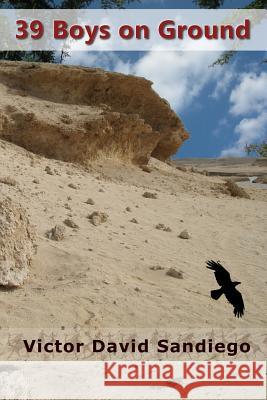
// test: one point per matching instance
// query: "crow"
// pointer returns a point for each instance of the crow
(228, 288)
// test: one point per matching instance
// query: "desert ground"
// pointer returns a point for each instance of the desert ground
(114, 274)
(234, 167)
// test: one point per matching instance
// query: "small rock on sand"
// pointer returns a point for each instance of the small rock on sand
(162, 227)
(156, 268)
(73, 186)
(174, 273)
(71, 224)
(146, 168)
(90, 201)
(57, 233)
(48, 170)
(7, 180)
(97, 218)
(181, 168)
(149, 195)
(184, 235)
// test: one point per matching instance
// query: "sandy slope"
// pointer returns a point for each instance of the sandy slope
(101, 276)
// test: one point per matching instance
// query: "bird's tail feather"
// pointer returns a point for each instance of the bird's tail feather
(238, 312)
(216, 294)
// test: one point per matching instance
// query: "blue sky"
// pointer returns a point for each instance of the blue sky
(223, 108)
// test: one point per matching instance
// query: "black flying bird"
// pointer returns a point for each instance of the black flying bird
(228, 288)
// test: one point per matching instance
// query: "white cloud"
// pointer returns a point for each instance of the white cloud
(222, 124)
(223, 84)
(249, 130)
(250, 95)
(179, 77)
(91, 59)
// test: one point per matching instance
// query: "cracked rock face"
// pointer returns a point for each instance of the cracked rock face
(77, 114)
(16, 244)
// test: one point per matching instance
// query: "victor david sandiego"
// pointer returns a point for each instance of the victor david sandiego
(134, 347)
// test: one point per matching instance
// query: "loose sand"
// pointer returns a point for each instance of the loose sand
(103, 275)
(113, 275)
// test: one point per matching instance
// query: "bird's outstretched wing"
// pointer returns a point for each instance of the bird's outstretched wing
(221, 274)
(238, 304)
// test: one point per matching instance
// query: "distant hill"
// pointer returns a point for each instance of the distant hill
(234, 166)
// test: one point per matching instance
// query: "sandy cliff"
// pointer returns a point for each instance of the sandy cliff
(77, 114)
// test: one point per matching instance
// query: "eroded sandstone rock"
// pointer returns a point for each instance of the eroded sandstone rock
(97, 218)
(77, 114)
(184, 235)
(57, 233)
(16, 244)
(174, 273)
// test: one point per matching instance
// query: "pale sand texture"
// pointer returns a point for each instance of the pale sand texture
(100, 276)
